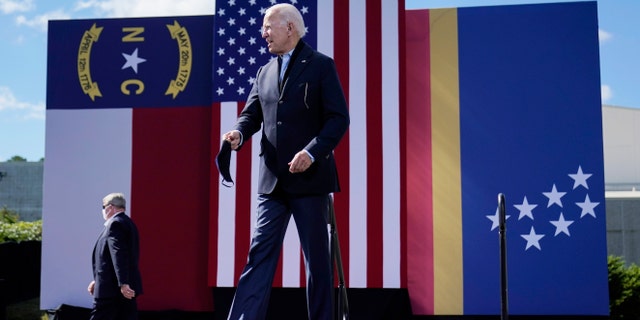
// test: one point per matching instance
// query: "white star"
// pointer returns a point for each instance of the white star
(220, 71)
(252, 21)
(231, 21)
(294, 2)
(241, 51)
(587, 207)
(242, 11)
(132, 60)
(533, 239)
(220, 51)
(252, 60)
(562, 225)
(240, 90)
(231, 41)
(495, 219)
(231, 61)
(525, 209)
(262, 50)
(231, 81)
(251, 80)
(221, 12)
(580, 178)
(232, 3)
(241, 70)
(554, 196)
(242, 31)
(252, 40)
(252, 2)
(220, 91)
(221, 32)
(304, 10)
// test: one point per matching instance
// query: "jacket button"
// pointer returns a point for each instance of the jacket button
(280, 102)
(279, 122)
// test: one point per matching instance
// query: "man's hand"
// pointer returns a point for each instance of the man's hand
(233, 137)
(300, 163)
(127, 292)
(91, 286)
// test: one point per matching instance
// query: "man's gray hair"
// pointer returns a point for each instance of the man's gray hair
(115, 199)
(289, 13)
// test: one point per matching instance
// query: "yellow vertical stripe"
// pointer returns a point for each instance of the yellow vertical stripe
(445, 139)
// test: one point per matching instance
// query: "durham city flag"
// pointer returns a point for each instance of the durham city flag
(449, 107)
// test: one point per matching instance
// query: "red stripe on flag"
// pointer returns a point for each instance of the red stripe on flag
(419, 197)
(341, 199)
(403, 142)
(374, 145)
(173, 257)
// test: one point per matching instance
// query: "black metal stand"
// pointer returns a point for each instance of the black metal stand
(504, 313)
(342, 307)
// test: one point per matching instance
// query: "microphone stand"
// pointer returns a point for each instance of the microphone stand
(503, 258)
(343, 302)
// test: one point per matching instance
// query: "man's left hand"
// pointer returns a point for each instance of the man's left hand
(300, 163)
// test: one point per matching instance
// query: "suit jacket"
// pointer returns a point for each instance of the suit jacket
(309, 113)
(115, 258)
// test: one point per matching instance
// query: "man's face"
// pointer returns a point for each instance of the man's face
(277, 33)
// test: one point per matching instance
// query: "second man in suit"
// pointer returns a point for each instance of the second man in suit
(116, 276)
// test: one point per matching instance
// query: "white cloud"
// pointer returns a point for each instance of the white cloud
(604, 36)
(606, 93)
(41, 22)
(147, 8)
(11, 6)
(25, 110)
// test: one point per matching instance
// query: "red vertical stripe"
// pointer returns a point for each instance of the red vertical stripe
(374, 145)
(341, 199)
(170, 205)
(419, 199)
(243, 203)
(403, 142)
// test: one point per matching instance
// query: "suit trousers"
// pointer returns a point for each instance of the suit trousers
(117, 308)
(310, 214)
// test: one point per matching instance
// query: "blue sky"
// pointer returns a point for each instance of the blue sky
(23, 39)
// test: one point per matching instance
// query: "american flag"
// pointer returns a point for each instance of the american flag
(351, 33)
(239, 49)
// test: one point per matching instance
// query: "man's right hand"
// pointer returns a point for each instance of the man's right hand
(234, 138)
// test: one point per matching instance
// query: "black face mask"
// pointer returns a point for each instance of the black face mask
(223, 160)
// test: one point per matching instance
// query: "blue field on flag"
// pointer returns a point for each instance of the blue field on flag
(531, 128)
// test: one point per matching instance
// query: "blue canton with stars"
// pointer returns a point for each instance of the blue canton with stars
(238, 47)
(560, 209)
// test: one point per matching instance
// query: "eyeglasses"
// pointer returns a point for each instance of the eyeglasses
(106, 205)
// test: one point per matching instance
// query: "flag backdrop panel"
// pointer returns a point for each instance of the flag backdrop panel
(128, 110)
(449, 107)
(514, 108)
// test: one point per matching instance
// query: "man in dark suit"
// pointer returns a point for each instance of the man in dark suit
(116, 276)
(300, 104)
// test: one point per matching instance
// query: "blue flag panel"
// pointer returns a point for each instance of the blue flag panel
(121, 63)
(531, 128)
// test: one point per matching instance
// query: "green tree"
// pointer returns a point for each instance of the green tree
(624, 289)
(17, 158)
